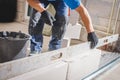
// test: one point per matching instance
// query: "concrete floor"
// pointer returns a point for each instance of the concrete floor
(14, 26)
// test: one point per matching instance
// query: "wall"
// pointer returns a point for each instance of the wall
(100, 12)
(21, 10)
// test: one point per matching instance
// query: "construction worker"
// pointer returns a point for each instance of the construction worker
(78, 6)
(40, 16)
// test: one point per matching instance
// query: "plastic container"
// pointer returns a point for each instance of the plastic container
(13, 45)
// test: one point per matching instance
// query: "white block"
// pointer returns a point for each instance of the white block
(20, 66)
(66, 42)
(74, 17)
(47, 30)
(73, 31)
(84, 64)
(56, 71)
(21, 7)
(83, 34)
(20, 16)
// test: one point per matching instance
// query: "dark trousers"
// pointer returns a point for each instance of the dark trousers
(36, 26)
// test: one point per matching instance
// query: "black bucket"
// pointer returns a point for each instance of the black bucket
(13, 45)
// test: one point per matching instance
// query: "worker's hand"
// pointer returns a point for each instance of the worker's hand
(47, 18)
(93, 39)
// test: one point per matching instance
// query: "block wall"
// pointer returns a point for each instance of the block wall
(21, 10)
(100, 12)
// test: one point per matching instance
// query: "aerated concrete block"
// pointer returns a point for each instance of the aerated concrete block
(66, 42)
(56, 71)
(73, 31)
(84, 64)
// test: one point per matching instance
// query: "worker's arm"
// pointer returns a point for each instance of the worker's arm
(36, 5)
(88, 24)
(77, 5)
(85, 18)
(45, 15)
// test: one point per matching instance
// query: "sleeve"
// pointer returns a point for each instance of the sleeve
(73, 4)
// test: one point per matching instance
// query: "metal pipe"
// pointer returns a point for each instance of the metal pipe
(106, 67)
(111, 15)
(115, 26)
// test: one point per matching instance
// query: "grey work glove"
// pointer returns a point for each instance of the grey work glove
(93, 39)
(47, 18)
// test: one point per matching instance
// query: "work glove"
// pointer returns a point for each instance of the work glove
(47, 18)
(93, 39)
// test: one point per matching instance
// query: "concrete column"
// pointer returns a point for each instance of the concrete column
(21, 10)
